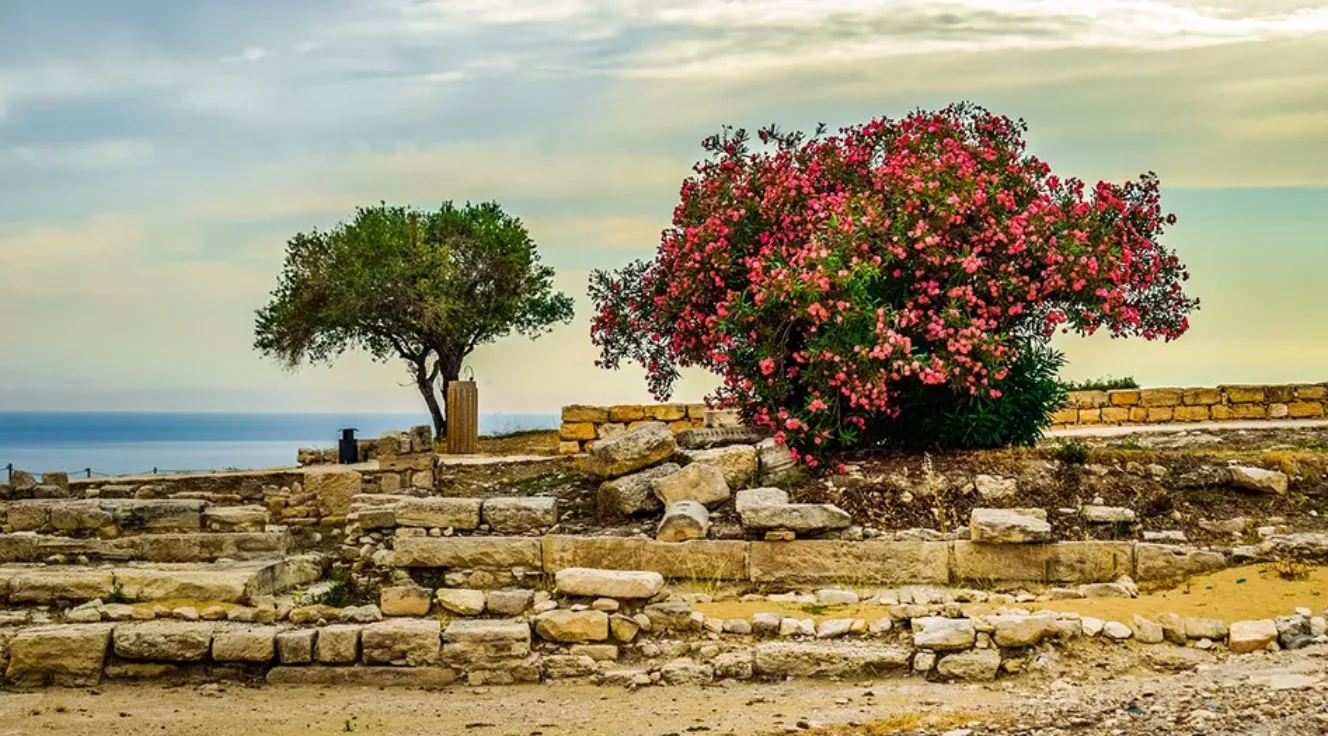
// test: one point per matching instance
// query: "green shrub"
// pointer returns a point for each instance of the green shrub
(1101, 384)
(1074, 452)
(936, 417)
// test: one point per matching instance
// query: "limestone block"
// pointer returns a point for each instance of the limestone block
(618, 584)
(798, 517)
(637, 448)
(297, 646)
(778, 660)
(864, 563)
(1251, 636)
(1009, 526)
(1156, 562)
(405, 600)
(66, 655)
(626, 413)
(697, 482)
(581, 413)
(941, 634)
(1244, 394)
(520, 515)
(576, 431)
(572, 626)
(698, 559)
(683, 521)
(631, 495)
(1160, 397)
(166, 641)
(1064, 562)
(1258, 479)
(978, 665)
(256, 644)
(338, 644)
(1128, 397)
(461, 601)
(333, 489)
(442, 513)
(401, 642)
(737, 462)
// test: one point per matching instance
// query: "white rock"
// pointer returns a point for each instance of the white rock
(943, 634)
(592, 583)
(1009, 526)
(1117, 630)
(834, 628)
(461, 601)
(835, 596)
(1258, 479)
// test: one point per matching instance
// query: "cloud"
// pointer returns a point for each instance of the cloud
(78, 155)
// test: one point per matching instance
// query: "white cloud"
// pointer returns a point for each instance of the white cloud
(80, 155)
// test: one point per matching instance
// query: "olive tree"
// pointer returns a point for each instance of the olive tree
(425, 287)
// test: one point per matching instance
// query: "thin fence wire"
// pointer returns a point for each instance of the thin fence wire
(89, 473)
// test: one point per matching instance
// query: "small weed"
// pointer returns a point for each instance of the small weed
(1292, 570)
(1074, 452)
(343, 591)
(117, 594)
(1127, 445)
(820, 609)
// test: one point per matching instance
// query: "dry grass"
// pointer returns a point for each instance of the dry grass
(910, 721)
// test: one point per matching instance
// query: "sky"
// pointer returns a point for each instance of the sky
(155, 155)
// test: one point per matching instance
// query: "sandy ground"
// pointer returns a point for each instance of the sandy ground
(533, 710)
(1104, 694)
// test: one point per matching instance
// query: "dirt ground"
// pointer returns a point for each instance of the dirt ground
(1101, 694)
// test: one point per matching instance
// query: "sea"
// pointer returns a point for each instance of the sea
(97, 444)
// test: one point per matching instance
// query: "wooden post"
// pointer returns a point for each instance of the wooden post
(463, 418)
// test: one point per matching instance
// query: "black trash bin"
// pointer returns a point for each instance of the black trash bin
(349, 449)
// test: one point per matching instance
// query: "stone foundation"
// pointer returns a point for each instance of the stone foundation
(582, 425)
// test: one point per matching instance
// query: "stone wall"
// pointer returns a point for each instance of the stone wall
(1220, 404)
(583, 425)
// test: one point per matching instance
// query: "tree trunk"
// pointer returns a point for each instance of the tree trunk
(425, 385)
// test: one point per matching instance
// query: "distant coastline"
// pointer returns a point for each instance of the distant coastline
(114, 443)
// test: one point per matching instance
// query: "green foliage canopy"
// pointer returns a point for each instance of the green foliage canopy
(427, 287)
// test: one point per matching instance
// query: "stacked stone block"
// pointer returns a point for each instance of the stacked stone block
(1167, 405)
(582, 425)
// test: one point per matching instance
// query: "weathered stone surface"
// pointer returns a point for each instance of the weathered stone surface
(333, 488)
(686, 672)
(978, 665)
(698, 482)
(1257, 479)
(338, 644)
(1206, 628)
(576, 413)
(624, 629)
(991, 487)
(235, 518)
(683, 521)
(1146, 631)
(1021, 631)
(414, 677)
(1166, 562)
(738, 665)
(698, 559)
(775, 465)
(256, 644)
(599, 583)
(833, 561)
(297, 646)
(1173, 628)
(631, 495)
(509, 602)
(1251, 636)
(565, 666)
(1108, 515)
(941, 634)
(572, 626)
(1064, 562)
(167, 641)
(798, 517)
(1009, 526)
(232, 582)
(777, 660)
(719, 436)
(442, 513)
(737, 462)
(760, 497)
(1177, 659)
(405, 600)
(68, 655)
(408, 642)
(472, 641)
(640, 447)
(467, 552)
(520, 515)
(462, 601)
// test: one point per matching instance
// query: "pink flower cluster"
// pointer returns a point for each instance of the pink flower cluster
(820, 277)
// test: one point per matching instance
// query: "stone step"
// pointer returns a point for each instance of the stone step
(226, 582)
(196, 547)
(98, 515)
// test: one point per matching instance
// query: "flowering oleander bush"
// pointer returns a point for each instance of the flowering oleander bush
(892, 283)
